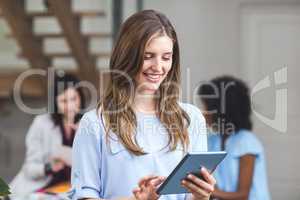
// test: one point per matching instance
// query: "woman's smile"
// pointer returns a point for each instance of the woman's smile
(153, 77)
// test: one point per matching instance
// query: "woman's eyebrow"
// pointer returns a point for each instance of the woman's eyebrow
(148, 52)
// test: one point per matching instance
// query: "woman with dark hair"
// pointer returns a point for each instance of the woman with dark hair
(139, 131)
(242, 174)
(50, 139)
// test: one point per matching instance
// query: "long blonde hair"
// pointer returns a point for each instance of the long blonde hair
(128, 53)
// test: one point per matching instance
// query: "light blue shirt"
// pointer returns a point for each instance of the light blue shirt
(227, 174)
(108, 170)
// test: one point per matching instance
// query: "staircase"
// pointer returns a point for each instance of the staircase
(71, 47)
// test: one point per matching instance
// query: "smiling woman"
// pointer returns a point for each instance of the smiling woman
(157, 64)
(152, 81)
(139, 128)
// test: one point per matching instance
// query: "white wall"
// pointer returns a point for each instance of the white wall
(209, 33)
(205, 29)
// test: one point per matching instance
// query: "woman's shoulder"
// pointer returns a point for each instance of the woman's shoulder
(192, 110)
(197, 127)
(246, 142)
(247, 136)
(187, 106)
(90, 119)
(91, 115)
(91, 123)
(43, 119)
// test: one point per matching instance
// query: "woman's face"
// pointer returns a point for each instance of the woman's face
(157, 64)
(68, 103)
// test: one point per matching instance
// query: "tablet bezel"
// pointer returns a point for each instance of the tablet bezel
(183, 160)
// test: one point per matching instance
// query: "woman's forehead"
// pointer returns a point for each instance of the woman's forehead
(159, 42)
(68, 93)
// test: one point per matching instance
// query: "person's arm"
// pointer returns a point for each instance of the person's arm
(245, 180)
(63, 153)
(34, 165)
(86, 160)
(128, 198)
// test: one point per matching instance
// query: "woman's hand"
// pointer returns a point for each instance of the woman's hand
(74, 126)
(57, 164)
(200, 189)
(147, 186)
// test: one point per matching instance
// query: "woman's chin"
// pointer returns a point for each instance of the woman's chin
(149, 91)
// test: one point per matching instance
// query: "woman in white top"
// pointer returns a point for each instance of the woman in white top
(49, 140)
(140, 131)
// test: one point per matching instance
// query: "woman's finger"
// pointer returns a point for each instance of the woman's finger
(136, 190)
(207, 176)
(74, 126)
(194, 189)
(200, 183)
(157, 181)
(146, 179)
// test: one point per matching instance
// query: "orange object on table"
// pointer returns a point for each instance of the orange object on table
(59, 188)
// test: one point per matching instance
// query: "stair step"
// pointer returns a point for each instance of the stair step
(87, 13)
(66, 55)
(60, 35)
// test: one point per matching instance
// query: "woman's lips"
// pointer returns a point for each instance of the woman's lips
(153, 77)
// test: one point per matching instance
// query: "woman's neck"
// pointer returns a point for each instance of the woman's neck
(68, 119)
(145, 104)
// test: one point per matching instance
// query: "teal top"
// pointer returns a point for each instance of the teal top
(227, 173)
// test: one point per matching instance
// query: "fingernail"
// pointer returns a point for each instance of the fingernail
(190, 176)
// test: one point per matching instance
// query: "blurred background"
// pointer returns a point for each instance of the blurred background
(255, 40)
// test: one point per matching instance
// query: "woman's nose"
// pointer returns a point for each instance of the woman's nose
(157, 65)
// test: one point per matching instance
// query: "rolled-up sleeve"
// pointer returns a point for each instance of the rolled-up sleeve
(86, 160)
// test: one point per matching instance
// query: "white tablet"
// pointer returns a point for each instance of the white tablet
(190, 164)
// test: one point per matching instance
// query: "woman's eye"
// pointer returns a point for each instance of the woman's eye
(166, 58)
(146, 57)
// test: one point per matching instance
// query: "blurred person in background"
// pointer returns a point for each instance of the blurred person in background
(49, 140)
(242, 174)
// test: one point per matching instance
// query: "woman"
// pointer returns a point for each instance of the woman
(140, 131)
(49, 140)
(242, 174)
